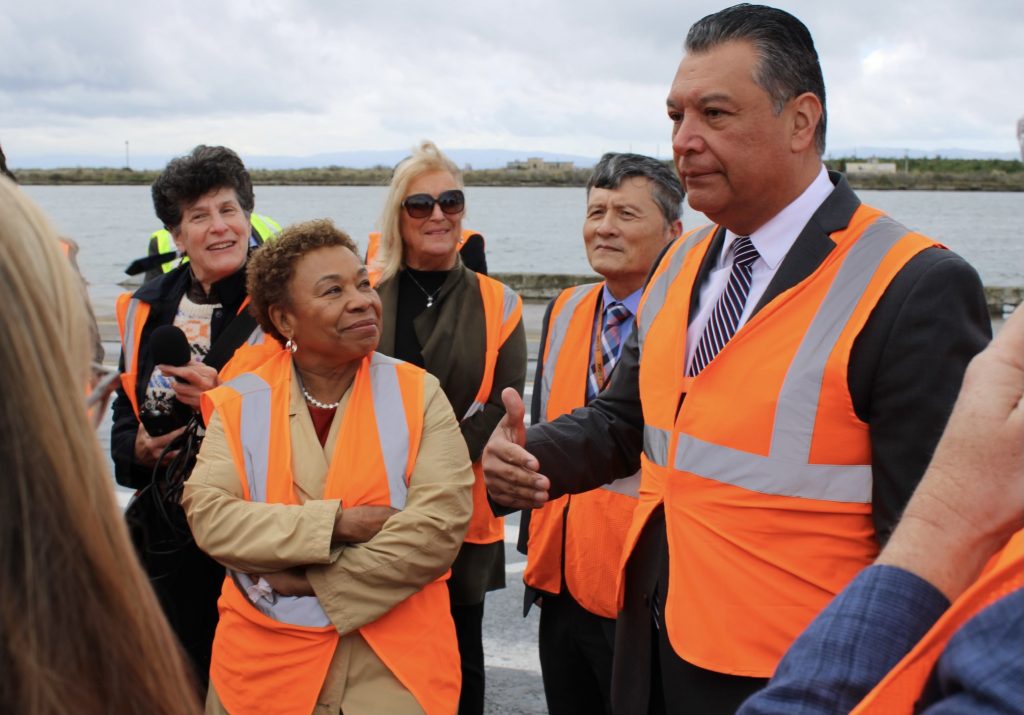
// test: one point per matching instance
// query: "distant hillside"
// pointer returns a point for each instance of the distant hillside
(919, 174)
(476, 158)
(870, 152)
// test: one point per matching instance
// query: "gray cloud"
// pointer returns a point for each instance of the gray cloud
(302, 76)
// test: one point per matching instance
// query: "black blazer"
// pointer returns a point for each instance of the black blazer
(905, 371)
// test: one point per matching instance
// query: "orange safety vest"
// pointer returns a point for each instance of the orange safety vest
(591, 525)
(271, 653)
(132, 314)
(503, 309)
(374, 243)
(764, 470)
(902, 686)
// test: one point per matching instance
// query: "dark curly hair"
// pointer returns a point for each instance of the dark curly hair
(188, 178)
(272, 266)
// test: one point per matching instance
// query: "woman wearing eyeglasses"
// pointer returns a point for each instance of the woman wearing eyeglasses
(467, 330)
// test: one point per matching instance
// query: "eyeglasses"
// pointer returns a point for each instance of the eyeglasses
(451, 202)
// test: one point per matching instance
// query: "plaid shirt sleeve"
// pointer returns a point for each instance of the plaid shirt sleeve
(851, 645)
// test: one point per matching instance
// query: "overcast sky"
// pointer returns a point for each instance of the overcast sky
(300, 77)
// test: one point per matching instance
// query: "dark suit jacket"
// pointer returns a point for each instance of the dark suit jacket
(905, 372)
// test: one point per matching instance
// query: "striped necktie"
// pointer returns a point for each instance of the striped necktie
(611, 345)
(725, 317)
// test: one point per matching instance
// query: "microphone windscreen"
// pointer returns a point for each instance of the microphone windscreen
(169, 346)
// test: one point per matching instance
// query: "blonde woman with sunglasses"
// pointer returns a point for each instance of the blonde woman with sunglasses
(467, 330)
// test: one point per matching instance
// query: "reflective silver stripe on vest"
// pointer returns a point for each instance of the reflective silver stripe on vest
(657, 292)
(511, 299)
(472, 410)
(254, 436)
(786, 471)
(656, 445)
(392, 428)
(254, 432)
(627, 486)
(556, 337)
(256, 337)
(509, 302)
(293, 610)
(130, 350)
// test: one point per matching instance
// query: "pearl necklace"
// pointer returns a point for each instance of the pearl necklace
(317, 403)
(430, 296)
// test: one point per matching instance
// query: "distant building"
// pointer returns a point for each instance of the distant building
(535, 163)
(872, 166)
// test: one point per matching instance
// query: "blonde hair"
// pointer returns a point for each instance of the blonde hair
(424, 158)
(82, 628)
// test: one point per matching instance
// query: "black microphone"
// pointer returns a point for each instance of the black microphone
(168, 346)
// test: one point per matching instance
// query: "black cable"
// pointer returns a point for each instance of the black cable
(164, 492)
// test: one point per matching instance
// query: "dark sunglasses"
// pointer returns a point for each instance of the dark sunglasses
(451, 202)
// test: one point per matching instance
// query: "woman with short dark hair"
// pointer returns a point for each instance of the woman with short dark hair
(204, 199)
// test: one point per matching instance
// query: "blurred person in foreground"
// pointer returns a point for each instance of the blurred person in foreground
(936, 625)
(334, 485)
(466, 330)
(204, 198)
(81, 629)
(575, 542)
(792, 369)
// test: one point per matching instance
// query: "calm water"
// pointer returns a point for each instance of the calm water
(527, 229)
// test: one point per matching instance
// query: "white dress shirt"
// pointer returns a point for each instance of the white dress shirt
(772, 241)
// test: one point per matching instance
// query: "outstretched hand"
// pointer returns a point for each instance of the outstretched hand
(510, 472)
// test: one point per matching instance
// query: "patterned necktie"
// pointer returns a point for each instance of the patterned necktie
(725, 316)
(611, 346)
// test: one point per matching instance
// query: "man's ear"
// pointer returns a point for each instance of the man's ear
(805, 114)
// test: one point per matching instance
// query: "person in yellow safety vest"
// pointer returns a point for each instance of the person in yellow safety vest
(335, 487)
(937, 623)
(790, 373)
(472, 250)
(575, 542)
(264, 229)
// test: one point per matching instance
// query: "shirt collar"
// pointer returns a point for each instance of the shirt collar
(777, 236)
(631, 301)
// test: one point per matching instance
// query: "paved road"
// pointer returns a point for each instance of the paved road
(510, 641)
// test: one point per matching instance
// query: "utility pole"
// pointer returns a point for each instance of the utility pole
(127, 159)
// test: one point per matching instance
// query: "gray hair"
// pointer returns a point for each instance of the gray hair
(788, 63)
(666, 190)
